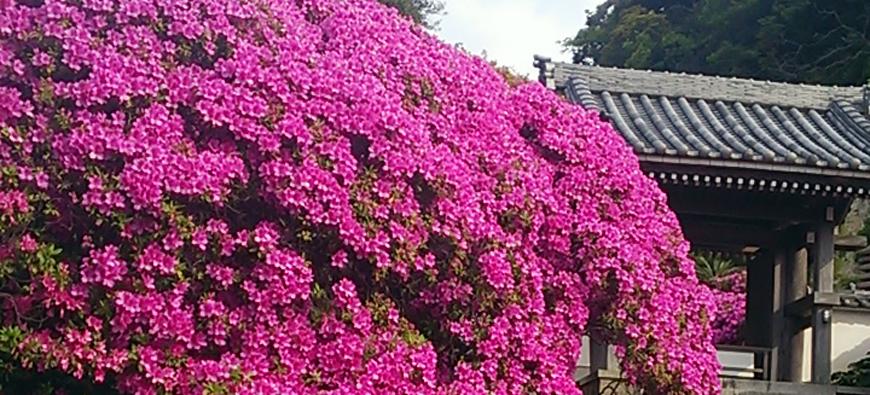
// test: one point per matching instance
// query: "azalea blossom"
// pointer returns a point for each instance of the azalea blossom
(318, 196)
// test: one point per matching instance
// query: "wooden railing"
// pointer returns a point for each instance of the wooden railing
(760, 369)
(753, 377)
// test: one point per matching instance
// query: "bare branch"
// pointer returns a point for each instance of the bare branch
(838, 19)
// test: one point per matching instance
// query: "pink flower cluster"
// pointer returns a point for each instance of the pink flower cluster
(316, 196)
(729, 292)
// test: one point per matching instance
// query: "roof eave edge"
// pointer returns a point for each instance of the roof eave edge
(853, 175)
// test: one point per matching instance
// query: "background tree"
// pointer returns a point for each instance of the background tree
(421, 11)
(784, 40)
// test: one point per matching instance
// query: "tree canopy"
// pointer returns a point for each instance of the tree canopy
(817, 41)
(421, 11)
(316, 196)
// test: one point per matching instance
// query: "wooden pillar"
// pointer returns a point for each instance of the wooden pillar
(759, 299)
(765, 314)
(821, 368)
(823, 254)
(597, 355)
(794, 288)
(823, 282)
(778, 324)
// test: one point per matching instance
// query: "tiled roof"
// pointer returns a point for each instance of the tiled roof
(862, 260)
(858, 295)
(855, 299)
(730, 121)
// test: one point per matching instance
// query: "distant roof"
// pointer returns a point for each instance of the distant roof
(725, 122)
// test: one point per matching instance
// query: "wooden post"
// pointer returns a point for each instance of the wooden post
(823, 281)
(795, 288)
(759, 299)
(764, 308)
(778, 324)
(597, 355)
(821, 370)
(823, 254)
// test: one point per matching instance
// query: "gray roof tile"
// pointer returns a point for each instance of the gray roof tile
(704, 87)
(809, 128)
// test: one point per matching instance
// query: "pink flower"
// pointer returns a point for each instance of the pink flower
(103, 267)
(221, 274)
(497, 269)
(200, 239)
(27, 244)
(266, 236)
(339, 259)
(154, 260)
(208, 169)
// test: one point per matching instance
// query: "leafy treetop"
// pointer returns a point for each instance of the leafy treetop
(816, 41)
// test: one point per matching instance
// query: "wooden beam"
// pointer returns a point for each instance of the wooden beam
(803, 307)
(748, 205)
(849, 243)
(706, 232)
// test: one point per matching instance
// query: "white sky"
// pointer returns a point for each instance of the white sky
(512, 31)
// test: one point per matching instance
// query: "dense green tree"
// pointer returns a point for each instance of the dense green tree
(421, 11)
(858, 374)
(819, 41)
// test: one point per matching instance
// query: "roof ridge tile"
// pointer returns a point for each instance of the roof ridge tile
(702, 86)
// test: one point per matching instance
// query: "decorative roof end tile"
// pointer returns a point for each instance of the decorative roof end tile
(546, 71)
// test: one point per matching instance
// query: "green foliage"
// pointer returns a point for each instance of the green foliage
(817, 41)
(844, 270)
(28, 381)
(421, 11)
(865, 231)
(10, 338)
(710, 266)
(15, 379)
(858, 374)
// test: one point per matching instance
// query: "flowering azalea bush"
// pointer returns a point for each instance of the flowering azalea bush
(729, 293)
(316, 196)
(726, 277)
